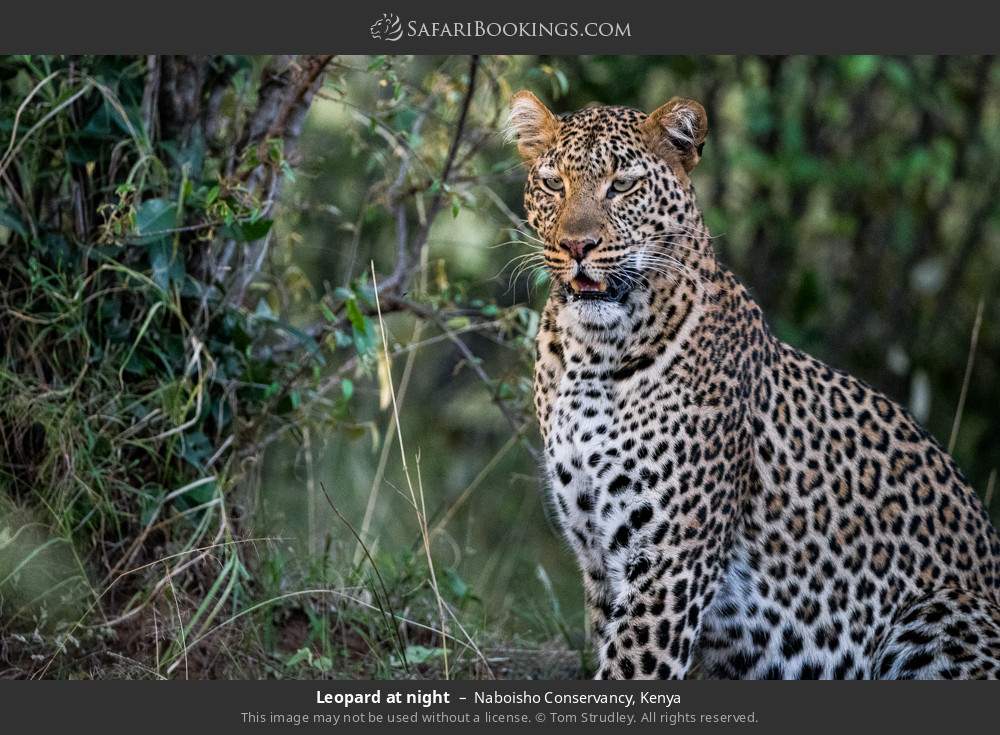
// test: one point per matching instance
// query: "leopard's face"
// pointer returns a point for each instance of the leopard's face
(608, 194)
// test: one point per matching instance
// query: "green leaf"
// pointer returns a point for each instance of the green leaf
(290, 402)
(860, 68)
(303, 654)
(342, 339)
(459, 587)
(154, 218)
(263, 311)
(362, 334)
(196, 448)
(249, 230)
(12, 222)
(167, 268)
(417, 655)
(347, 388)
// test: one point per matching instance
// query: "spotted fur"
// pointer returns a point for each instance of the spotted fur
(734, 504)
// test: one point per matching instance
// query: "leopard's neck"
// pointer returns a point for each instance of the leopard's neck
(659, 313)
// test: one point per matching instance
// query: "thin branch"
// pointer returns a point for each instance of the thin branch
(518, 423)
(407, 257)
(286, 92)
(973, 342)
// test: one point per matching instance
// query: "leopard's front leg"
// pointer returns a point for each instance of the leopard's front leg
(579, 531)
(659, 597)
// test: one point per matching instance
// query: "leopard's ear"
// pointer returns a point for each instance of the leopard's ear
(531, 124)
(677, 129)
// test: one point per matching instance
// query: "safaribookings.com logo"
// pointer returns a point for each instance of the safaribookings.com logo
(387, 28)
(390, 28)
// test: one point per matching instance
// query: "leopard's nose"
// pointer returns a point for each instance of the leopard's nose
(578, 249)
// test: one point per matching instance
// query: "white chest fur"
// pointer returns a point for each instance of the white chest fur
(590, 464)
(605, 445)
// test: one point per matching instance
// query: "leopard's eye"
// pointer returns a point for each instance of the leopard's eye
(620, 186)
(553, 183)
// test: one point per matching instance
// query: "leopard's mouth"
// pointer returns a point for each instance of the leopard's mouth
(583, 287)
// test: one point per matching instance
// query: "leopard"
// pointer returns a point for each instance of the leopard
(737, 508)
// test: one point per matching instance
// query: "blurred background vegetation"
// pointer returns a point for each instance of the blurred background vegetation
(201, 472)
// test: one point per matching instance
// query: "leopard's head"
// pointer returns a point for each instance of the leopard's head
(608, 193)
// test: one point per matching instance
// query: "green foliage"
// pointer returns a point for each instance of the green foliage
(149, 353)
(134, 378)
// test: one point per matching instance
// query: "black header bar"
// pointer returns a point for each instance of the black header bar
(511, 26)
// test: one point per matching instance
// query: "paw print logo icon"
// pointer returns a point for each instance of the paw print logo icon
(387, 28)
